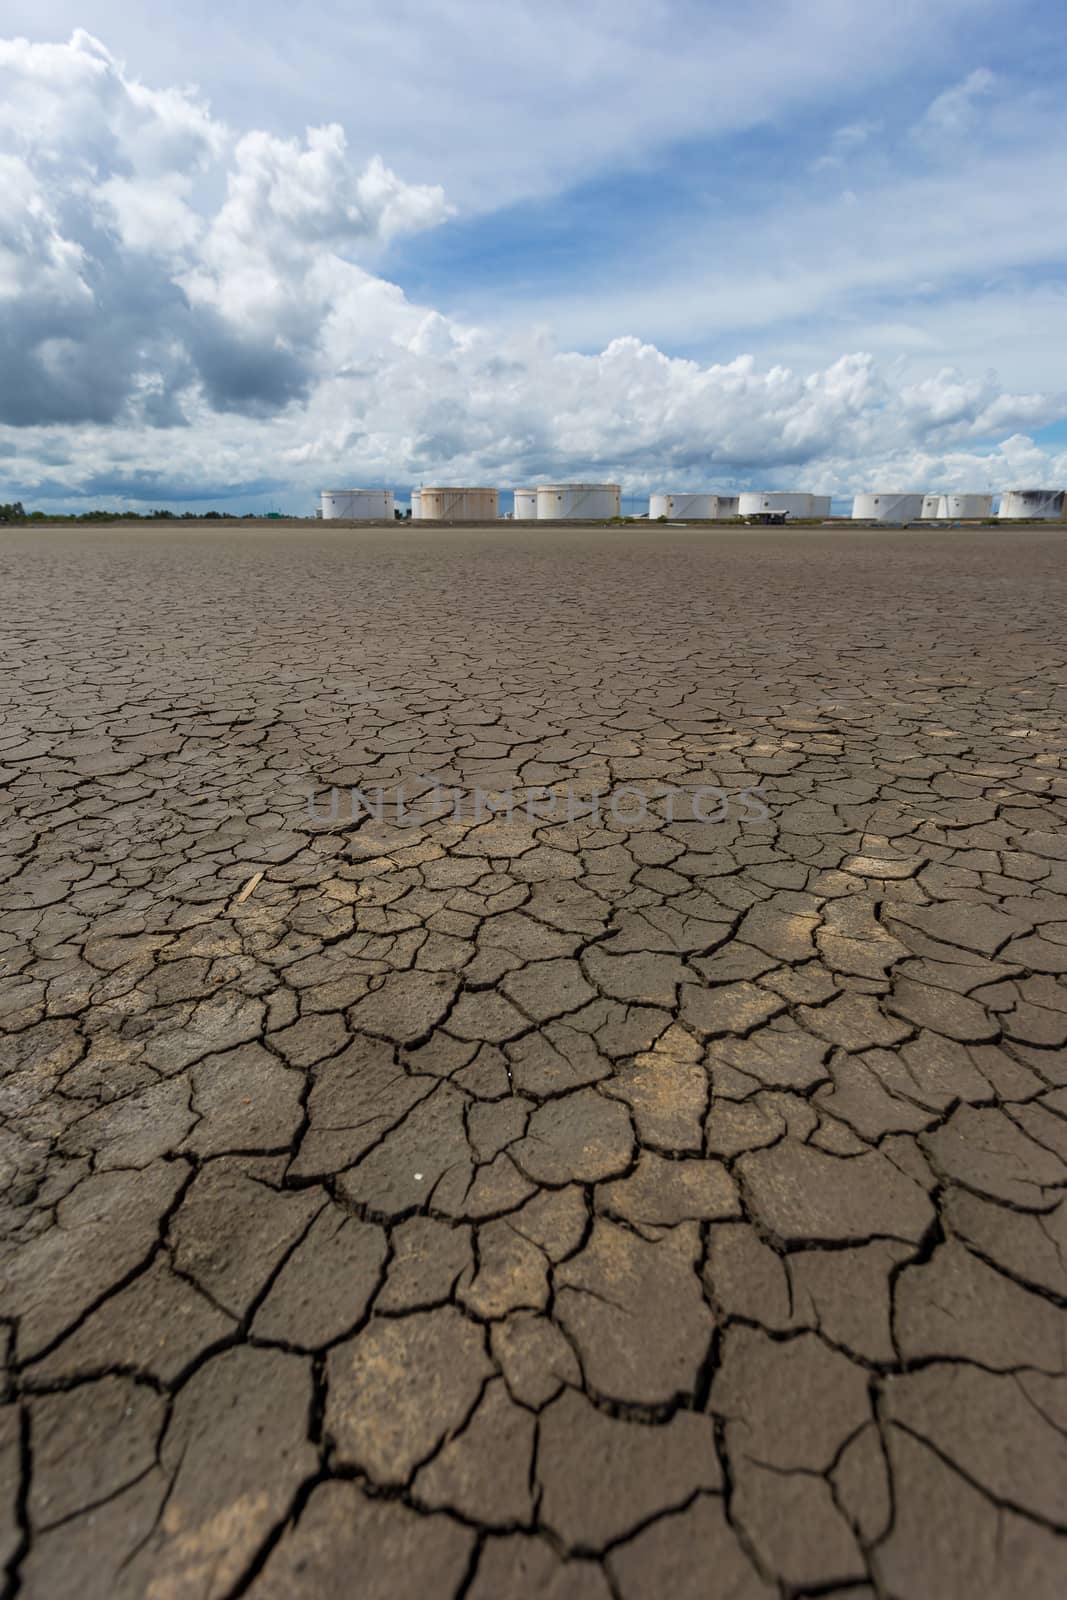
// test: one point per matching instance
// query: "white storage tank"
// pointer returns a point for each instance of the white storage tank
(931, 507)
(416, 504)
(581, 502)
(959, 507)
(729, 505)
(525, 505)
(797, 505)
(358, 505)
(1032, 505)
(887, 507)
(459, 505)
(684, 507)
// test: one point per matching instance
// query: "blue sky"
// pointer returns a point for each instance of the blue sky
(804, 242)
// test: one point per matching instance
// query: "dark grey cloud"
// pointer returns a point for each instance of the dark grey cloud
(78, 357)
(254, 377)
(157, 488)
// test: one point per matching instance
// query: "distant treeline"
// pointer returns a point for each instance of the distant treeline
(16, 512)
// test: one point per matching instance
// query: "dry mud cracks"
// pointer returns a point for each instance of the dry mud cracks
(533, 1207)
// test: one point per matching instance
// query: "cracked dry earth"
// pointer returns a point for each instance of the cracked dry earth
(565, 1209)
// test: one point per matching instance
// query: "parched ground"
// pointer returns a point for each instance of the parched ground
(566, 1208)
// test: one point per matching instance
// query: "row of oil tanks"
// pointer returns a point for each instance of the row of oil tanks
(1016, 505)
(549, 502)
(568, 502)
(561, 502)
(600, 502)
(921, 507)
(715, 507)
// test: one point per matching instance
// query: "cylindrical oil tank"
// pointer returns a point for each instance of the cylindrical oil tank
(525, 505)
(684, 507)
(797, 505)
(931, 507)
(416, 504)
(358, 505)
(965, 506)
(459, 505)
(581, 502)
(1032, 505)
(729, 506)
(887, 507)
(820, 505)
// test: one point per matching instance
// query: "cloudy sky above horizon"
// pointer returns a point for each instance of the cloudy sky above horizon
(248, 252)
